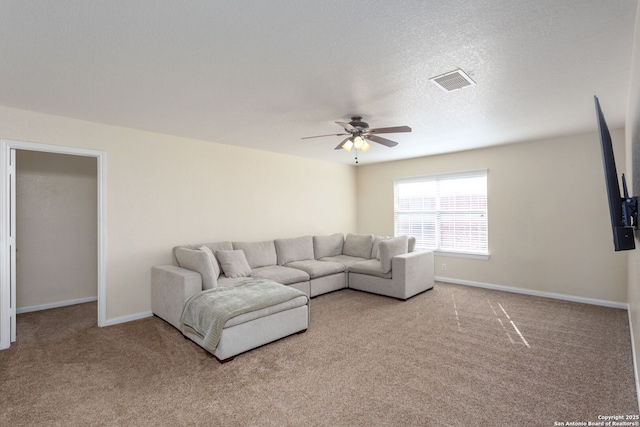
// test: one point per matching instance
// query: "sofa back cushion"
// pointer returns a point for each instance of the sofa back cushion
(201, 261)
(412, 244)
(390, 248)
(212, 259)
(375, 249)
(359, 245)
(294, 249)
(324, 246)
(216, 246)
(258, 254)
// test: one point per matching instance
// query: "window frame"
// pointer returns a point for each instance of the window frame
(438, 212)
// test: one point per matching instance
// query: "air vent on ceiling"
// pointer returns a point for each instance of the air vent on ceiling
(453, 80)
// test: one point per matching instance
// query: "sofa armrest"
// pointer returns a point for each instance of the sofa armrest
(171, 286)
(415, 270)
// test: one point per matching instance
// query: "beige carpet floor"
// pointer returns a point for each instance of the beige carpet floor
(453, 356)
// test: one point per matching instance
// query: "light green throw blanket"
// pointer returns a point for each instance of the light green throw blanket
(206, 312)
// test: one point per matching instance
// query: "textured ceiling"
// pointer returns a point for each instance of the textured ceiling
(263, 74)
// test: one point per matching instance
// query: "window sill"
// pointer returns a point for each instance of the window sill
(483, 257)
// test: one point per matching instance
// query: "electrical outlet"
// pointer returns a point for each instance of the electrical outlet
(443, 267)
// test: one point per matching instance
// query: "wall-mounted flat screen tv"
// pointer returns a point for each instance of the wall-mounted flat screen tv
(623, 210)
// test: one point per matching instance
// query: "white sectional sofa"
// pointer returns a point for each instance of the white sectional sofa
(312, 264)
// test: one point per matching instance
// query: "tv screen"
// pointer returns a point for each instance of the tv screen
(622, 210)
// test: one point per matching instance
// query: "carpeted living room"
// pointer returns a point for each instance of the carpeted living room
(129, 129)
(449, 356)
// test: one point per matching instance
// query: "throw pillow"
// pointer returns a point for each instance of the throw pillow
(390, 248)
(234, 263)
(214, 246)
(358, 245)
(198, 260)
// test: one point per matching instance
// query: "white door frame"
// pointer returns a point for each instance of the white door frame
(11, 236)
(5, 277)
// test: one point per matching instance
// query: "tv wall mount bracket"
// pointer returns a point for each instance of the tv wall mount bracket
(629, 206)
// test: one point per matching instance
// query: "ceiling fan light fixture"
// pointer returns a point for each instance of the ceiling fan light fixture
(356, 131)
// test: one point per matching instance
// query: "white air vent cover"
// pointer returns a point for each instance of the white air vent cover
(453, 80)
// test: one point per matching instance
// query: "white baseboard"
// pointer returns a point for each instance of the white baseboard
(128, 318)
(605, 303)
(635, 360)
(55, 305)
(110, 322)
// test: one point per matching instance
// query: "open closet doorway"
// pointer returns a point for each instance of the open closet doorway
(56, 230)
(47, 163)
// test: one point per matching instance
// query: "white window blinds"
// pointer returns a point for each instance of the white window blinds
(445, 213)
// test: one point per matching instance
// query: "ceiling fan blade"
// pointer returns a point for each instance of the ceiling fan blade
(393, 129)
(342, 143)
(322, 136)
(380, 140)
(347, 127)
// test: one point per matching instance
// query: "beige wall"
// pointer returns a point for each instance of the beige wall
(56, 228)
(163, 191)
(548, 220)
(633, 163)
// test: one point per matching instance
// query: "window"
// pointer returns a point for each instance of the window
(446, 213)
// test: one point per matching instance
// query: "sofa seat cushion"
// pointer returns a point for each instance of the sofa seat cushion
(316, 268)
(280, 274)
(267, 311)
(370, 267)
(230, 281)
(345, 260)
(283, 306)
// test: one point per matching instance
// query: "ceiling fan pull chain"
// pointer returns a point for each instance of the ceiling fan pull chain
(356, 156)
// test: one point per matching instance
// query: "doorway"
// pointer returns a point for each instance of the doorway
(56, 236)
(8, 230)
